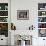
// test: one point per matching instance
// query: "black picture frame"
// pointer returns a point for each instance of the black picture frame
(22, 14)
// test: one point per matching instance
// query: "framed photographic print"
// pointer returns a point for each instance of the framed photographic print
(22, 14)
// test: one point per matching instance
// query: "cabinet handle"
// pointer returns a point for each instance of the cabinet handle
(1, 39)
(43, 39)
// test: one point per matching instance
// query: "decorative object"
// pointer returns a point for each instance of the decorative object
(41, 6)
(6, 7)
(3, 6)
(4, 29)
(41, 25)
(22, 43)
(43, 13)
(41, 19)
(23, 14)
(42, 32)
(3, 19)
(31, 27)
(13, 27)
(3, 13)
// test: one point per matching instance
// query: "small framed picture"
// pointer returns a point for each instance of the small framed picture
(22, 14)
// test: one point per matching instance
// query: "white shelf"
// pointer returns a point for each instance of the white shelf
(3, 22)
(41, 10)
(3, 16)
(3, 10)
(42, 16)
(41, 22)
(41, 28)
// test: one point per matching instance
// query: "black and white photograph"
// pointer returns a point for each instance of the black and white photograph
(22, 14)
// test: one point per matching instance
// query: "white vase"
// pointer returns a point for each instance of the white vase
(22, 43)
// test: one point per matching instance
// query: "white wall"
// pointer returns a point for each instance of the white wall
(4, 41)
(24, 5)
(32, 6)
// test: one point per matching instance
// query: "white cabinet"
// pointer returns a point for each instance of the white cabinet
(3, 40)
(41, 41)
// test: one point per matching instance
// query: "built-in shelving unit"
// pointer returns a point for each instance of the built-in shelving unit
(4, 19)
(42, 19)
